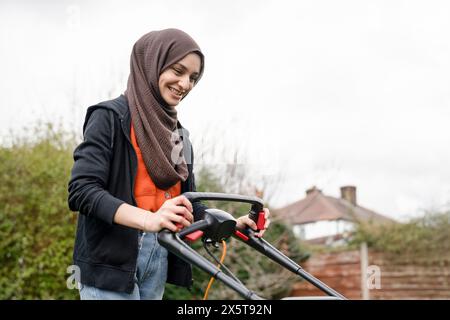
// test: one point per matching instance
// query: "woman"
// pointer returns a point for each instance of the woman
(129, 173)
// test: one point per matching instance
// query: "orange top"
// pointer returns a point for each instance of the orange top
(146, 193)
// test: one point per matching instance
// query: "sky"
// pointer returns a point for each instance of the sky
(308, 93)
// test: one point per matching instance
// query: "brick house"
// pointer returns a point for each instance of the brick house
(323, 219)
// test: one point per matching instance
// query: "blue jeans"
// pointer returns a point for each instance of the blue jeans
(149, 279)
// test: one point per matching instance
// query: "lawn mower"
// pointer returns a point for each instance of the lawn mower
(217, 226)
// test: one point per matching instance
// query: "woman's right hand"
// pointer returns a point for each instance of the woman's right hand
(174, 214)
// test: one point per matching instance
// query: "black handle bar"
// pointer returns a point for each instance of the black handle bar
(256, 212)
(217, 225)
(198, 196)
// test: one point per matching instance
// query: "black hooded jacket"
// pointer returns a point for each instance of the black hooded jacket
(102, 179)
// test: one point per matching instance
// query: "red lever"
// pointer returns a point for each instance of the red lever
(241, 235)
(194, 236)
(261, 220)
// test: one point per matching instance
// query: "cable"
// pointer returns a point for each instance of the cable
(227, 271)
(205, 297)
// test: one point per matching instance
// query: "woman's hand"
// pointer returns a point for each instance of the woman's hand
(174, 214)
(245, 221)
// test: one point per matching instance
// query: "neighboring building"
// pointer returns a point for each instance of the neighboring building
(327, 220)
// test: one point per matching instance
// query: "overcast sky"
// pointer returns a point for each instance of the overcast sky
(324, 93)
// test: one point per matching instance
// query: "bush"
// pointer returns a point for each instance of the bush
(428, 235)
(36, 227)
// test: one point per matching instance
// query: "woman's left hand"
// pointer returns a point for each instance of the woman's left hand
(245, 221)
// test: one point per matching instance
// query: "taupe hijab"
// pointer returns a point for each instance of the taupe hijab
(154, 121)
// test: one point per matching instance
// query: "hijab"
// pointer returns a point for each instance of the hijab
(153, 120)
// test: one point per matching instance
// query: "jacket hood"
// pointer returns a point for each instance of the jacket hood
(118, 105)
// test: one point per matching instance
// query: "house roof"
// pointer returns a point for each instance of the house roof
(317, 207)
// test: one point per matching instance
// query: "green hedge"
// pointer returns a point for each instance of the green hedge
(426, 235)
(36, 227)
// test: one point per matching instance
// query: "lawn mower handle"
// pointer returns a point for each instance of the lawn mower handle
(256, 212)
(217, 225)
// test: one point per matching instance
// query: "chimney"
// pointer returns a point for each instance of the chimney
(312, 190)
(349, 193)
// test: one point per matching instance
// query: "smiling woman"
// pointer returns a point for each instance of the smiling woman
(125, 182)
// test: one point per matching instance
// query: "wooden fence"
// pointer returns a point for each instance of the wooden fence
(384, 277)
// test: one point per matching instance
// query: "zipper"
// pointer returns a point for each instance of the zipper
(140, 234)
(134, 164)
